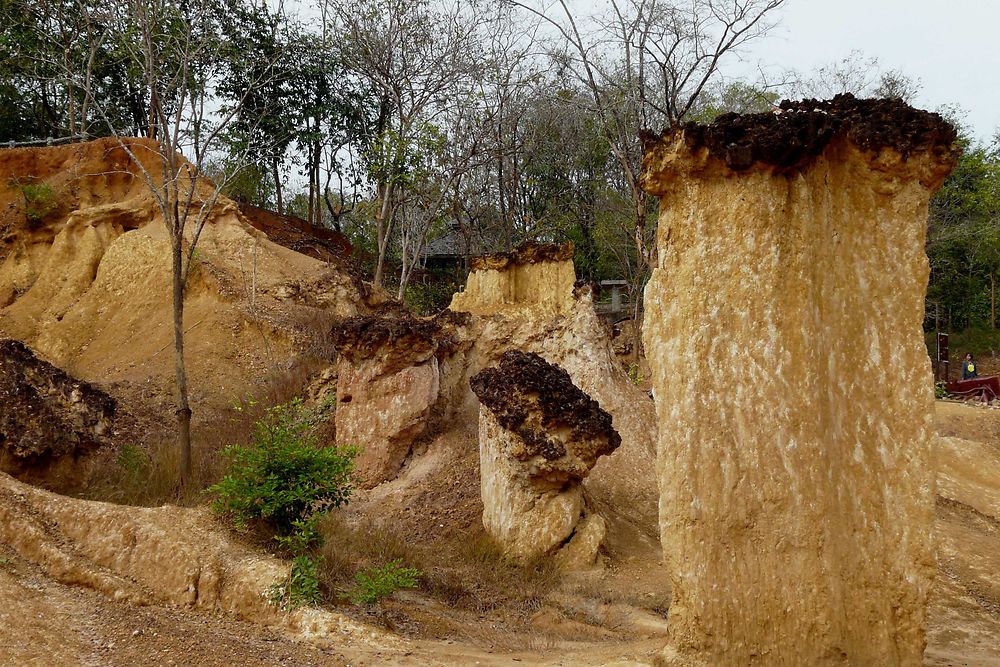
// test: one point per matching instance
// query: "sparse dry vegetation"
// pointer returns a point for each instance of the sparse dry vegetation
(465, 573)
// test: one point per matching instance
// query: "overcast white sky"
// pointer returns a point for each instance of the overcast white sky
(952, 47)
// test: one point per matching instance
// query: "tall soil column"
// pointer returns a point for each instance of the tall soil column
(793, 388)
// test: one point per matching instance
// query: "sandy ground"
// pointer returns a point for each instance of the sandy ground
(46, 623)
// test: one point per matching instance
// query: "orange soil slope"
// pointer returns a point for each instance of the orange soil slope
(88, 286)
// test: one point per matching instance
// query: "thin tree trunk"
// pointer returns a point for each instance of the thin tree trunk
(317, 215)
(183, 409)
(381, 228)
(312, 184)
(993, 302)
(641, 269)
(277, 186)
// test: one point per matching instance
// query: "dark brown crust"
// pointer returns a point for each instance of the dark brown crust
(793, 137)
(360, 338)
(46, 412)
(530, 252)
(525, 382)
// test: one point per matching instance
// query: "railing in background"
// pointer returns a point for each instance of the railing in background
(50, 141)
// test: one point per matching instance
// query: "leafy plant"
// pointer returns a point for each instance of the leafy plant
(430, 298)
(303, 536)
(302, 586)
(377, 583)
(635, 374)
(39, 199)
(284, 478)
(132, 460)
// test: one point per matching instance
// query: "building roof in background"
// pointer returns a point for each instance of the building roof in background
(455, 244)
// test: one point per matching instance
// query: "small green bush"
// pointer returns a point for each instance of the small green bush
(377, 583)
(39, 198)
(429, 299)
(302, 586)
(284, 478)
(303, 535)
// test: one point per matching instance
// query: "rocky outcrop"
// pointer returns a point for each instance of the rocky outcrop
(388, 378)
(539, 436)
(403, 385)
(555, 318)
(793, 390)
(165, 555)
(533, 276)
(45, 414)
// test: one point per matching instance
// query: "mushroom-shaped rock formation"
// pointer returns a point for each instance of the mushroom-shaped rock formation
(387, 380)
(793, 389)
(539, 436)
(45, 414)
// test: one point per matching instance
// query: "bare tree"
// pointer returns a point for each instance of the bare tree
(856, 74)
(177, 48)
(419, 59)
(645, 63)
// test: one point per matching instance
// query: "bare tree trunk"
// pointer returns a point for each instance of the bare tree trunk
(404, 273)
(641, 270)
(277, 186)
(183, 409)
(382, 232)
(317, 213)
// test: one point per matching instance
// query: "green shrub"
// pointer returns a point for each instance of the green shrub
(429, 299)
(302, 536)
(302, 586)
(132, 460)
(376, 583)
(283, 478)
(635, 374)
(39, 198)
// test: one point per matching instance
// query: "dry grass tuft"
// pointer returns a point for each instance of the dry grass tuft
(467, 573)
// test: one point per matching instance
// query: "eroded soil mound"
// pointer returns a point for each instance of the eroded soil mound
(87, 284)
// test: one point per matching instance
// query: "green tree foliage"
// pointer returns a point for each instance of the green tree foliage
(61, 61)
(963, 242)
(284, 478)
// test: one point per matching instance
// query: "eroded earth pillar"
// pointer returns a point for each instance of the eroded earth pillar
(793, 388)
(539, 436)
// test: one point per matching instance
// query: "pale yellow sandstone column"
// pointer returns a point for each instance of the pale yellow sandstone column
(793, 389)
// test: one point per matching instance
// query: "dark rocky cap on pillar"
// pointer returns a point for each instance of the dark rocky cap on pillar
(529, 252)
(399, 341)
(539, 402)
(792, 136)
